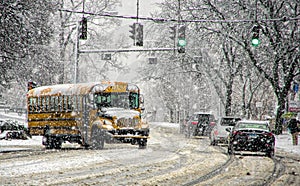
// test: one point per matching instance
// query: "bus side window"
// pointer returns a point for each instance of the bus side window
(68, 103)
(78, 103)
(60, 103)
(51, 103)
(55, 102)
(41, 104)
(38, 105)
(48, 104)
(32, 104)
(74, 103)
(44, 104)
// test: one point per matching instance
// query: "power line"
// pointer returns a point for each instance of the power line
(182, 20)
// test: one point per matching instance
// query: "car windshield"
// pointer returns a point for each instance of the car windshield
(252, 126)
(229, 121)
(203, 117)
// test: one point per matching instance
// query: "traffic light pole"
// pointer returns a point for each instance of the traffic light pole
(76, 54)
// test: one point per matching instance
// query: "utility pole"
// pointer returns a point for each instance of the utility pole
(76, 53)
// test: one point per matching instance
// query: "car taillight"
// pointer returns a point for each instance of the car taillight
(194, 122)
(237, 132)
(269, 134)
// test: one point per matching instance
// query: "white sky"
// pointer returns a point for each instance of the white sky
(129, 7)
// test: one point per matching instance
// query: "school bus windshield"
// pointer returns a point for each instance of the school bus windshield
(120, 100)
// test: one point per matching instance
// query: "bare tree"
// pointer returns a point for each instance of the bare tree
(277, 57)
(24, 25)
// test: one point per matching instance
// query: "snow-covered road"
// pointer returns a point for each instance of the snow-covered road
(170, 159)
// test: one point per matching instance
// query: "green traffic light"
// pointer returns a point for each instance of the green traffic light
(181, 42)
(255, 42)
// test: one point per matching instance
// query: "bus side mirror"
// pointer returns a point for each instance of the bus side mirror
(228, 129)
(141, 99)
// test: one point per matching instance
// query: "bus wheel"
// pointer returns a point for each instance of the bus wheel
(48, 142)
(97, 138)
(57, 143)
(142, 143)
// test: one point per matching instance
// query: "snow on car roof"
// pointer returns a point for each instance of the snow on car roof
(229, 117)
(202, 113)
(253, 121)
(253, 124)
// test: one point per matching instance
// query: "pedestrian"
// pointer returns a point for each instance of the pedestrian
(294, 129)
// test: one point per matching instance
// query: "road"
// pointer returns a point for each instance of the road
(170, 159)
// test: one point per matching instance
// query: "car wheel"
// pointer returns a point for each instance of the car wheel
(213, 142)
(270, 153)
(142, 144)
(230, 151)
(49, 143)
(57, 143)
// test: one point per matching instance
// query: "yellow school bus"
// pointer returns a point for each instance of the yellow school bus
(90, 114)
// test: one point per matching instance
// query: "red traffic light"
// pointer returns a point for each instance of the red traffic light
(83, 23)
(31, 85)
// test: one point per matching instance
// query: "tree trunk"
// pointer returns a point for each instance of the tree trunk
(228, 97)
(280, 111)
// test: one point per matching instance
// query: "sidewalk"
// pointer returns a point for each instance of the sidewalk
(284, 142)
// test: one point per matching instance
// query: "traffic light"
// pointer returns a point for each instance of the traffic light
(255, 36)
(139, 35)
(31, 85)
(152, 60)
(83, 23)
(181, 39)
(173, 32)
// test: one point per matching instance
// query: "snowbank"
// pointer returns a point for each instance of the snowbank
(285, 143)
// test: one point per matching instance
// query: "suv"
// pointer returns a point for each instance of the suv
(219, 133)
(200, 124)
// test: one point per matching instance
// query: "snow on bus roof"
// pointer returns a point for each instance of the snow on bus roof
(77, 89)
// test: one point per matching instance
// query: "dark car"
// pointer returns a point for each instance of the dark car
(253, 136)
(219, 133)
(200, 124)
(10, 129)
